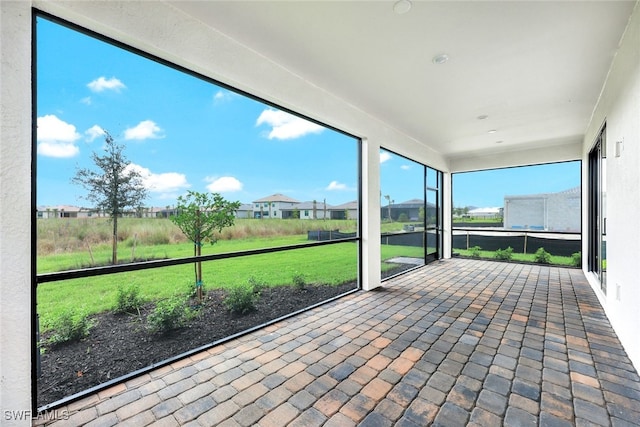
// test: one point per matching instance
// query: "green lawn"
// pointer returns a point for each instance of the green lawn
(329, 264)
(555, 260)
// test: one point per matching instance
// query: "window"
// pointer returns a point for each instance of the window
(411, 213)
(527, 208)
(175, 127)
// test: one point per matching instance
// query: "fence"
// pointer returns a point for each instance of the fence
(522, 241)
(561, 244)
(322, 235)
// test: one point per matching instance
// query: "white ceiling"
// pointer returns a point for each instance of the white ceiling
(535, 68)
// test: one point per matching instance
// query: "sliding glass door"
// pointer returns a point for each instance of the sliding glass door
(597, 257)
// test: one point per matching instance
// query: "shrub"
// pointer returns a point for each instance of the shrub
(542, 257)
(504, 254)
(258, 284)
(192, 289)
(242, 298)
(475, 251)
(70, 325)
(576, 259)
(128, 299)
(298, 280)
(169, 314)
(403, 217)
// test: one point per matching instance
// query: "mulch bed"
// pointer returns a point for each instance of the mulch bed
(119, 344)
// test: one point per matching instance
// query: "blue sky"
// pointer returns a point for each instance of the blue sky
(488, 188)
(183, 133)
(180, 132)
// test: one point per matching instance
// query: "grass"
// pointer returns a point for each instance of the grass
(565, 261)
(332, 264)
(102, 253)
(70, 235)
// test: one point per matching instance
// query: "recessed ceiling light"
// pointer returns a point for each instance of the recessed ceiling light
(482, 117)
(440, 59)
(493, 131)
(402, 6)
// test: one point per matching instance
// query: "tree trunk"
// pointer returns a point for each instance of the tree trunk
(198, 253)
(114, 243)
(199, 274)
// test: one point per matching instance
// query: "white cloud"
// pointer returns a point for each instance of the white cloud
(58, 149)
(51, 128)
(93, 132)
(146, 129)
(56, 138)
(86, 100)
(285, 125)
(223, 95)
(168, 182)
(101, 83)
(335, 185)
(384, 156)
(405, 167)
(224, 184)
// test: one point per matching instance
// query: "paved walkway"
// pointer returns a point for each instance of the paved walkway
(458, 342)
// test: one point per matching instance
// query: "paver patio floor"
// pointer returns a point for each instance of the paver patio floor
(457, 342)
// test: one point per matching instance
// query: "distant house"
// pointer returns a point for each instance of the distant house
(308, 210)
(69, 211)
(347, 210)
(245, 211)
(547, 211)
(65, 211)
(411, 210)
(485, 213)
(273, 206)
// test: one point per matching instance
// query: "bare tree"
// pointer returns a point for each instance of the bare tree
(113, 187)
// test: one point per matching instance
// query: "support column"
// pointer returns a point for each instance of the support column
(15, 210)
(370, 202)
(447, 201)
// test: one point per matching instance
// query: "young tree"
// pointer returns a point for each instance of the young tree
(114, 187)
(198, 216)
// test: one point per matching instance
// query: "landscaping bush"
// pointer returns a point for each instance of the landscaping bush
(542, 257)
(243, 297)
(128, 299)
(576, 259)
(475, 251)
(504, 254)
(70, 325)
(169, 314)
(299, 281)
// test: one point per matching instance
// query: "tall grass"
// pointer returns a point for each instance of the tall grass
(68, 235)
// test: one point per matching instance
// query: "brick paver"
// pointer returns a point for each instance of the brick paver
(457, 342)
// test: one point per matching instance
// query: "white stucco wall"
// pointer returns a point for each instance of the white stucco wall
(619, 105)
(15, 210)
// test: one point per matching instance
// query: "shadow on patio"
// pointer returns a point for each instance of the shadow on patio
(456, 342)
